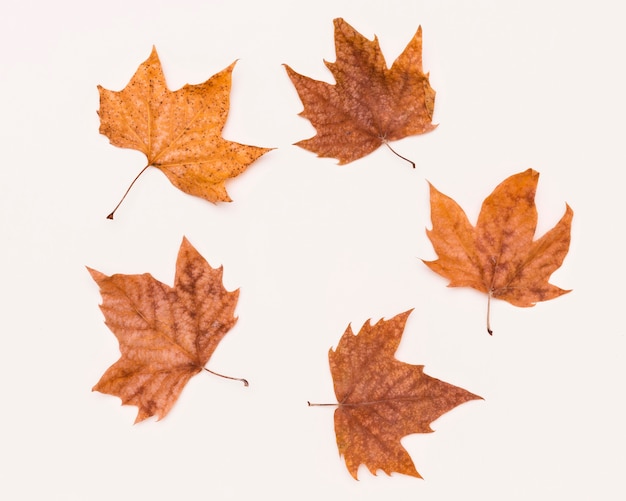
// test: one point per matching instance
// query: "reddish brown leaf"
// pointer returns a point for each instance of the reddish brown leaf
(499, 256)
(180, 132)
(370, 104)
(166, 335)
(382, 399)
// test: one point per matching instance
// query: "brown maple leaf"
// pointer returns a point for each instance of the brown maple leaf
(370, 104)
(380, 399)
(166, 335)
(499, 256)
(180, 132)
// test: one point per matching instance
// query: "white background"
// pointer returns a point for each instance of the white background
(313, 246)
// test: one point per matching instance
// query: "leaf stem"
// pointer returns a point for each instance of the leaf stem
(110, 216)
(398, 154)
(489, 313)
(321, 405)
(244, 381)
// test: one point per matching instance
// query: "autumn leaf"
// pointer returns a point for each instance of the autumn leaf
(499, 256)
(180, 132)
(370, 104)
(381, 400)
(166, 335)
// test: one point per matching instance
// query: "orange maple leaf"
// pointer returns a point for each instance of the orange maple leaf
(499, 256)
(166, 335)
(370, 104)
(380, 399)
(180, 132)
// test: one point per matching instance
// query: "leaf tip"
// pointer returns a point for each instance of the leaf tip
(406, 313)
(231, 66)
(96, 275)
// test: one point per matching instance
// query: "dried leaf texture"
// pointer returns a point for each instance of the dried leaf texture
(180, 132)
(166, 335)
(370, 104)
(382, 399)
(499, 256)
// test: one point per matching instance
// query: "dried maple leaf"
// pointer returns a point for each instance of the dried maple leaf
(166, 334)
(499, 256)
(180, 132)
(382, 399)
(370, 104)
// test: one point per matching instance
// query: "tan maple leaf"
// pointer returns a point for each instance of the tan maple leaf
(180, 132)
(370, 104)
(166, 335)
(381, 399)
(499, 256)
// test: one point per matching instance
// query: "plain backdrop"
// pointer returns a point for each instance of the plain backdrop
(313, 247)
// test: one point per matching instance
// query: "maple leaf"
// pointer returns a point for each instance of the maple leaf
(370, 104)
(178, 131)
(166, 335)
(380, 399)
(499, 256)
